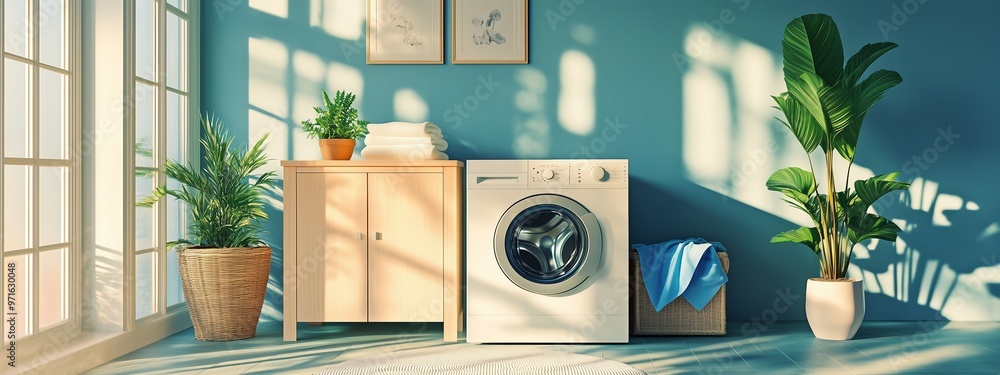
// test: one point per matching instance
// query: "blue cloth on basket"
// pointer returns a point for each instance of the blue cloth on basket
(688, 268)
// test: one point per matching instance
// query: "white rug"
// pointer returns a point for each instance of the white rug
(479, 359)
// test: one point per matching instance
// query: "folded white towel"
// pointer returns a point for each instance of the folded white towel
(402, 152)
(405, 129)
(385, 140)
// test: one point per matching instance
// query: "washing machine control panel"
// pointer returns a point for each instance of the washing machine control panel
(578, 173)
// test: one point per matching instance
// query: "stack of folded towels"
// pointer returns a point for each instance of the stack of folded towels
(404, 141)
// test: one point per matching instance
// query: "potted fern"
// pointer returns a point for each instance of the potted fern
(224, 265)
(337, 126)
(824, 108)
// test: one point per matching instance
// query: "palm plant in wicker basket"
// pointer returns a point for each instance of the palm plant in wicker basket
(224, 264)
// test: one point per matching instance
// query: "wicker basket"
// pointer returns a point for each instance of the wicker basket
(677, 317)
(224, 289)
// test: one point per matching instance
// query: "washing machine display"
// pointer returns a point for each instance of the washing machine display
(548, 244)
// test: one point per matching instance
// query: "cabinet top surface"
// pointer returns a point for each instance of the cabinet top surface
(372, 163)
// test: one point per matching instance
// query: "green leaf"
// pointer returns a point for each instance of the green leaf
(805, 204)
(859, 63)
(873, 226)
(800, 122)
(808, 236)
(873, 88)
(863, 98)
(837, 106)
(794, 179)
(806, 90)
(811, 43)
(872, 189)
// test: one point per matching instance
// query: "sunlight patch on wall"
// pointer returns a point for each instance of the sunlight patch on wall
(707, 124)
(267, 70)
(343, 19)
(345, 77)
(531, 126)
(409, 106)
(991, 231)
(577, 106)
(583, 34)
(260, 123)
(731, 143)
(307, 83)
(277, 8)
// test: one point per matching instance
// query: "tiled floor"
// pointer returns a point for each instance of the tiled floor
(779, 348)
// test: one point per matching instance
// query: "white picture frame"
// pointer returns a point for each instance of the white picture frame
(405, 32)
(489, 32)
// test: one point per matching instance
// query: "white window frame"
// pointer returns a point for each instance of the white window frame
(189, 147)
(35, 341)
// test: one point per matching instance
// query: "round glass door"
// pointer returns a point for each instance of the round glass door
(548, 244)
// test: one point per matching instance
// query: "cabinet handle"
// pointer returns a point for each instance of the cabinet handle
(378, 236)
(358, 236)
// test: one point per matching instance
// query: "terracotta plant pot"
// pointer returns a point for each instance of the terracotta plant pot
(337, 149)
(835, 308)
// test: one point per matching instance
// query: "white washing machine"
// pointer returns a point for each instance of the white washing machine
(547, 254)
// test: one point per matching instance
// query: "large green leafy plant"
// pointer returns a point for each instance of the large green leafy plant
(226, 205)
(824, 108)
(338, 119)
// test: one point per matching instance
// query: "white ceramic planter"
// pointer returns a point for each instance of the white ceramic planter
(835, 309)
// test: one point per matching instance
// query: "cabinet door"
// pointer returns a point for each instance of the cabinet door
(405, 257)
(331, 245)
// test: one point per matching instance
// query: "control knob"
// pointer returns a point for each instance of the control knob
(597, 173)
(548, 174)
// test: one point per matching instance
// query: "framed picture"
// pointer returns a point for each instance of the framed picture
(489, 32)
(405, 32)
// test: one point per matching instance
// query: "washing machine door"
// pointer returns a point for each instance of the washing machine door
(548, 244)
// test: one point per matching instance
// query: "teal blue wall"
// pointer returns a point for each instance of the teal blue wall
(945, 266)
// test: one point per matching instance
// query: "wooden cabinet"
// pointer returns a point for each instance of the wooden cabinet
(373, 241)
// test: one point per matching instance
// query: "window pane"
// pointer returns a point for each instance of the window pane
(21, 265)
(177, 121)
(15, 27)
(52, 119)
(16, 207)
(145, 217)
(175, 213)
(16, 109)
(145, 39)
(176, 52)
(174, 293)
(53, 215)
(145, 125)
(179, 4)
(145, 284)
(52, 33)
(52, 294)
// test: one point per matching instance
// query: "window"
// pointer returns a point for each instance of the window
(161, 125)
(40, 171)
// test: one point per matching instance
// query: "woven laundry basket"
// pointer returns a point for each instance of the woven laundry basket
(677, 317)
